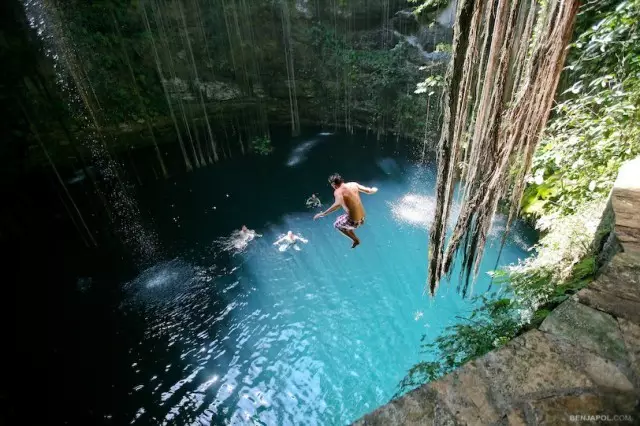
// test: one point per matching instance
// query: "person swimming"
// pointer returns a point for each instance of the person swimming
(347, 196)
(313, 201)
(289, 239)
(239, 239)
(248, 234)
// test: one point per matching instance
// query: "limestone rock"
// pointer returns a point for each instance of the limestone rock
(175, 85)
(529, 366)
(603, 372)
(565, 409)
(620, 277)
(219, 90)
(429, 37)
(605, 301)
(465, 393)
(631, 335)
(586, 327)
(416, 408)
(625, 198)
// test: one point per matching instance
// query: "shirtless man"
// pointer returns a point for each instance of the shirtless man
(290, 239)
(348, 197)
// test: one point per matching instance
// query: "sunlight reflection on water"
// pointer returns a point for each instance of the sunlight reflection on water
(300, 153)
(418, 210)
(254, 335)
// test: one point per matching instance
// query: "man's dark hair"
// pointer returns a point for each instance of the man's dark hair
(336, 179)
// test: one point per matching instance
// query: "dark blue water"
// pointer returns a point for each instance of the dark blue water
(320, 335)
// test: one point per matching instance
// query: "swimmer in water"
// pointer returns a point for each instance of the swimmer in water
(313, 201)
(240, 239)
(348, 197)
(289, 239)
(248, 234)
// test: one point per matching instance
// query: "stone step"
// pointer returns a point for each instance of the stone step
(588, 328)
(617, 288)
(625, 199)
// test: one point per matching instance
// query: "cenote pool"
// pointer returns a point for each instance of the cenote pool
(197, 334)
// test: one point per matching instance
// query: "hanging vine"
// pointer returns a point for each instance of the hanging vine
(490, 133)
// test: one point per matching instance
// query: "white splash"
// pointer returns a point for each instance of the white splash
(414, 209)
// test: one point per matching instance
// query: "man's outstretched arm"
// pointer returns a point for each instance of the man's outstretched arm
(331, 209)
(366, 189)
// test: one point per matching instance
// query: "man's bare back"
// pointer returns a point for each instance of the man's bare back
(347, 196)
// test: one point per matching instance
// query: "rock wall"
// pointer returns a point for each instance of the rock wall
(625, 198)
(244, 65)
(582, 366)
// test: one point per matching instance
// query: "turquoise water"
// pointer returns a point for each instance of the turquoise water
(262, 336)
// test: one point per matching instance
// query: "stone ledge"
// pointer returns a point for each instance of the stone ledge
(606, 302)
(418, 407)
(625, 198)
(558, 410)
(631, 336)
(586, 327)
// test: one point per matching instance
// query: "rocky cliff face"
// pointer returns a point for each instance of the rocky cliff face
(625, 198)
(246, 65)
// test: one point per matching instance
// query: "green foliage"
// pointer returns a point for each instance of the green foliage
(369, 83)
(444, 47)
(430, 85)
(262, 145)
(428, 5)
(597, 127)
(106, 36)
(493, 323)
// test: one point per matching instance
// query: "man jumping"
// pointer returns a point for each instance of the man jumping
(348, 197)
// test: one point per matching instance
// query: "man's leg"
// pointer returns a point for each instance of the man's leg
(352, 235)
